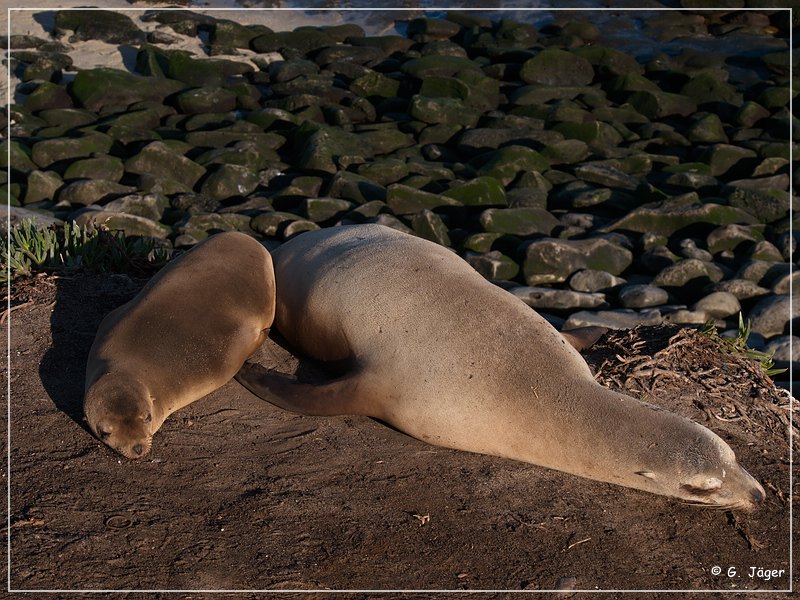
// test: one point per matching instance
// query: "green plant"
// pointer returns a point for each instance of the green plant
(738, 345)
(27, 249)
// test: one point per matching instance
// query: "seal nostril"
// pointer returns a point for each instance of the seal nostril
(757, 496)
(138, 449)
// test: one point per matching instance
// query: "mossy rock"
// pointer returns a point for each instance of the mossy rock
(658, 104)
(319, 210)
(481, 191)
(319, 147)
(19, 155)
(150, 206)
(105, 25)
(130, 225)
(438, 66)
(104, 166)
(48, 152)
(667, 219)
(384, 141)
(494, 265)
(230, 181)
(226, 35)
(158, 160)
(594, 133)
(507, 162)
(201, 226)
(302, 40)
(356, 188)
(271, 223)
(523, 222)
(553, 66)
(48, 96)
(722, 158)
(374, 84)
(405, 200)
(609, 62)
(443, 110)
(566, 152)
(764, 206)
(384, 171)
(353, 54)
(41, 186)
(205, 100)
(95, 89)
(540, 94)
(85, 192)
(706, 129)
(706, 88)
(427, 224)
(553, 260)
(182, 66)
(730, 237)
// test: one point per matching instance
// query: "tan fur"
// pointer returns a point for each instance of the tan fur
(447, 357)
(184, 335)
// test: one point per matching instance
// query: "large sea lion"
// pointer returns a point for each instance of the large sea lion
(436, 351)
(184, 335)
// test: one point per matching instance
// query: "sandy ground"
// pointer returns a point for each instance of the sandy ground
(238, 494)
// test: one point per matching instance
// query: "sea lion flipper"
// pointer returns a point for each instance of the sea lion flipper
(324, 399)
(583, 337)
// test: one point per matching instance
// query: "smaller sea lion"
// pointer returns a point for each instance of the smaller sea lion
(184, 335)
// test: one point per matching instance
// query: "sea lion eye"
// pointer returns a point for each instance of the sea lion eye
(103, 434)
(147, 417)
(647, 474)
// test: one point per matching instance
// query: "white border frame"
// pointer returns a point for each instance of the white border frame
(9, 318)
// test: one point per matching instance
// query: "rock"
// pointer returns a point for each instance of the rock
(666, 219)
(751, 113)
(14, 215)
(227, 35)
(270, 223)
(384, 171)
(507, 162)
(525, 221)
(763, 250)
(722, 158)
(96, 89)
(606, 176)
(103, 166)
(783, 348)
(104, 25)
(405, 200)
(729, 237)
(302, 40)
(48, 96)
(375, 85)
(553, 66)
(590, 280)
(551, 299)
(687, 276)
(770, 316)
(182, 66)
(203, 225)
(49, 152)
(741, 289)
(438, 66)
(718, 305)
(297, 227)
(784, 284)
(149, 206)
(390, 221)
(320, 147)
(319, 210)
(41, 186)
(762, 272)
(566, 152)
(553, 260)
(158, 160)
(427, 224)
(229, 181)
(443, 110)
(689, 249)
(91, 191)
(657, 259)
(481, 191)
(359, 189)
(657, 104)
(205, 100)
(707, 88)
(642, 296)
(683, 316)
(706, 129)
(613, 319)
(609, 62)
(765, 206)
(131, 225)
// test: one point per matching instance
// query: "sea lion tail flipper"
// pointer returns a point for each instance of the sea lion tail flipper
(323, 399)
(583, 337)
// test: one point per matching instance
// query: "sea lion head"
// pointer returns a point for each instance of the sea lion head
(699, 468)
(120, 414)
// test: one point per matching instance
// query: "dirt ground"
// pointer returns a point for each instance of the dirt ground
(239, 495)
